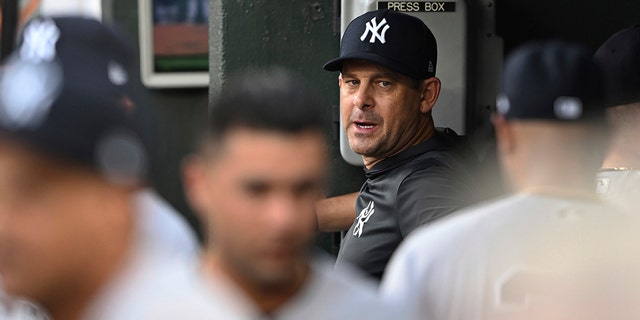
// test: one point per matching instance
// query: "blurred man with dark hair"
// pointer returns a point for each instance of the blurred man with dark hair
(259, 171)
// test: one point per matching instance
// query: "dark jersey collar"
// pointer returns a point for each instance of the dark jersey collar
(440, 140)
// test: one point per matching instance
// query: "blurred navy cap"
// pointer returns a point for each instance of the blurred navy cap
(551, 81)
(67, 90)
(619, 57)
(394, 40)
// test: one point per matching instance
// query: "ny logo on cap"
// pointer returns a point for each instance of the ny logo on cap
(374, 27)
(39, 41)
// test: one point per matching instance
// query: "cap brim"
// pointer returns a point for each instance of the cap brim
(336, 64)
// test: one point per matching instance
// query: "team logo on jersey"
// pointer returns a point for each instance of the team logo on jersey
(374, 27)
(602, 185)
(521, 286)
(362, 218)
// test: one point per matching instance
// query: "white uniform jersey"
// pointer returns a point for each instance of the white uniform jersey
(160, 266)
(337, 294)
(11, 309)
(162, 227)
(327, 294)
(526, 256)
(620, 188)
(149, 280)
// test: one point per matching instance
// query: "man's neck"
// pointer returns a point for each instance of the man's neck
(268, 299)
(421, 136)
(73, 313)
(621, 161)
(74, 301)
(77, 302)
(569, 186)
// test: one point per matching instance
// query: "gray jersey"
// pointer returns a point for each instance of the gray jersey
(327, 294)
(620, 188)
(415, 187)
(163, 228)
(526, 257)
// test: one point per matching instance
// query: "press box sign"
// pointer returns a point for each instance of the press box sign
(418, 6)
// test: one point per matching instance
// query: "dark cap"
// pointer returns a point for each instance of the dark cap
(394, 40)
(67, 90)
(619, 58)
(551, 81)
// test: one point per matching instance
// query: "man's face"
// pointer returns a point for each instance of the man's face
(50, 224)
(381, 109)
(258, 189)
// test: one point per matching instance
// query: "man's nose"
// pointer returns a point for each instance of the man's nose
(363, 98)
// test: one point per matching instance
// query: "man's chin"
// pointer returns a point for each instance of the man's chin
(276, 275)
(360, 149)
(275, 281)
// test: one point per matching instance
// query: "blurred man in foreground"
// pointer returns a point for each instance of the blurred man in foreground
(261, 168)
(550, 250)
(73, 161)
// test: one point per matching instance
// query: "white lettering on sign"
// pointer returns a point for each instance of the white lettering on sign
(434, 6)
(418, 6)
(404, 6)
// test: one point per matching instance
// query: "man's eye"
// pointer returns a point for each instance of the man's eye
(384, 84)
(352, 82)
(256, 188)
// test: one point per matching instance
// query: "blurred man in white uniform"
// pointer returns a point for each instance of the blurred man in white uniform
(550, 250)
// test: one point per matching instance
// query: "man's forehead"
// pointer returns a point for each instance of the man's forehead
(255, 148)
(15, 152)
(256, 139)
(19, 158)
(359, 65)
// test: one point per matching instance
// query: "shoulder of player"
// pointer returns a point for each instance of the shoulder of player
(445, 162)
(457, 226)
(350, 293)
(436, 178)
(200, 297)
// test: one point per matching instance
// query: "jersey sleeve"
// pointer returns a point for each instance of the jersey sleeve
(429, 194)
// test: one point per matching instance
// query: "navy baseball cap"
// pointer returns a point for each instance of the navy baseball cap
(394, 40)
(551, 81)
(619, 58)
(67, 90)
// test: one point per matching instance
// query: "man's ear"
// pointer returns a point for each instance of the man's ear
(429, 93)
(194, 183)
(504, 134)
(340, 80)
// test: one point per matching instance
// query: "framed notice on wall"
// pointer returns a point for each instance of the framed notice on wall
(174, 43)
